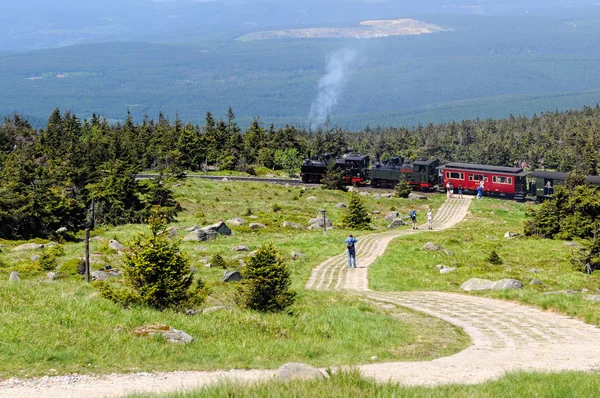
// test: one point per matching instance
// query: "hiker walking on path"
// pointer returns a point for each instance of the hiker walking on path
(413, 217)
(429, 219)
(350, 245)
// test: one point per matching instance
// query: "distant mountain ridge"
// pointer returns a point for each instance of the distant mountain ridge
(366, 30)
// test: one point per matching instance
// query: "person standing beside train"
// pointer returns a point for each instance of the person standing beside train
(429, 218)
(460, 189)
(480, 191)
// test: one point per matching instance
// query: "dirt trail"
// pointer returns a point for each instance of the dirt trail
(505, 336)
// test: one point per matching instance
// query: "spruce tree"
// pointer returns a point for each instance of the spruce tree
(333, 178)
(356, 216)
(266, 283)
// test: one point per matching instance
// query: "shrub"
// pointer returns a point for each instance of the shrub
(493, 258)
(218, 261)
(333, 178)
(48, 258)
(266, 283)
(356, 215)
(156, 273)
(402, 190)
(73, 267)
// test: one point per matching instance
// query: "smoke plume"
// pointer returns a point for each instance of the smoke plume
(330, 85)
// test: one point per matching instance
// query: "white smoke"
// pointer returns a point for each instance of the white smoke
(330, 85)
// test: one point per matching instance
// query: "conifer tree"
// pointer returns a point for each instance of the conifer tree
(356, 216)
(266, 283)
(333, 178)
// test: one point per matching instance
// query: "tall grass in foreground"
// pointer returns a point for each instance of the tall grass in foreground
(65, 327)
(349, 384)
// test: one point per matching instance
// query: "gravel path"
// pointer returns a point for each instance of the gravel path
(505, 336)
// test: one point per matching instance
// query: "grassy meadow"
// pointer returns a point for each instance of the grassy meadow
(350, 384)
(405, 266)
(65, 326)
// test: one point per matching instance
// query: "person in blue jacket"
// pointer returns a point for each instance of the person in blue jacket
(351, 246)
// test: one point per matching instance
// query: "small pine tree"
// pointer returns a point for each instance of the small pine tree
(356, 216)
(156, 273)
(403, 189)
(333, 178)
(494, 258)
(217, 261)
(158, 193)
(266, 283)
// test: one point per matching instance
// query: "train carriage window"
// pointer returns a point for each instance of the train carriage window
(502, 180)
(476, 177)
(455, 175)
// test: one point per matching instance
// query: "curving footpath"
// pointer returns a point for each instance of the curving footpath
(505, 336)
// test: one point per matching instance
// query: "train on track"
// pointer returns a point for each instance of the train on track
(512, 182)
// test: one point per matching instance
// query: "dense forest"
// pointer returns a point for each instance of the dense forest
(49, 177)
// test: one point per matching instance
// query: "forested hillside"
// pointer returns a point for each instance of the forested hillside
(48, 178)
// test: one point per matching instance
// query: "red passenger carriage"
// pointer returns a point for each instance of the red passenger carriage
(501, 181)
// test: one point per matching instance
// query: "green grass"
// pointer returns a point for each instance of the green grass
(405, 266)
(65, 327)
(350, 384)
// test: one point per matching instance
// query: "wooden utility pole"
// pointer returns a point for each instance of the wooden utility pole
(324, 222)
(87, 255)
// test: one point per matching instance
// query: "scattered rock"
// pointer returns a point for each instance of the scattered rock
(536, 282)
(430, 246)
(170, 334)
(176, 185)
(35, 258)
(28, 246)
(238, 257)
(193, 269)
(585, 290)
(252, 253)
(192, 228)
(172, 232)
(217, 308)
(14, 277)
(225, 179)
(270, 175)
(491, 237)
(237, 221)
(311, 198)
(341, 205)
(200, 235)
(574, 244)
(231, 276)
(510, 235)
(364, 193)
(240, 248)
(391, 216)
(507, 284)
(201, 248)
(477, 284)
(397, 222)
(318, 221)
(299, 371)
(100, 276)
(208, 265)
(387, 195)
(533, 271)
(448, 252)
(376, 212)
(256, 225)
(193, 312)
(53, 275)
(61, 230)
(115, 245)
(440, 266)
(253, 217)
(591, 297)
(220, 228)
(416, 196)
(289, 224)
(446, 270)
(296, 255)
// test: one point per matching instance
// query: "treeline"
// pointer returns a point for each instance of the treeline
(48, 178)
